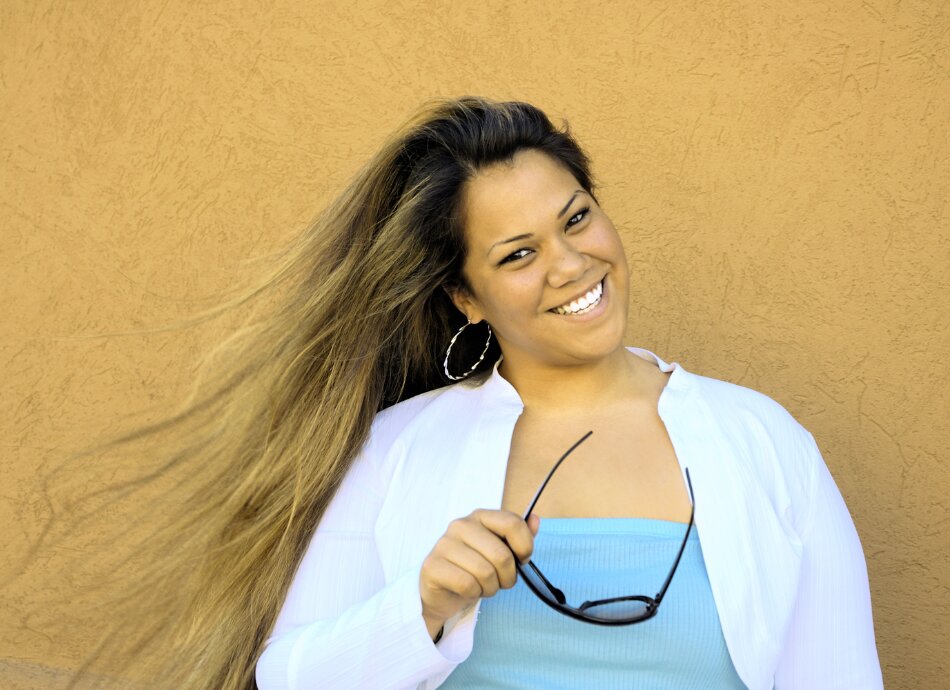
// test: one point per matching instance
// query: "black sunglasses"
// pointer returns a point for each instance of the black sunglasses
(615, 611)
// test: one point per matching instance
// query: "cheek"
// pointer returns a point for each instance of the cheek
(518, 293)
(612, 244)
(501, 298)
(511, 300)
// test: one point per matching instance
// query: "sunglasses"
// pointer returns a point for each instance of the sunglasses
(614, 611)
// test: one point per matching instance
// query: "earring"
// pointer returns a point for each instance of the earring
(445, 365)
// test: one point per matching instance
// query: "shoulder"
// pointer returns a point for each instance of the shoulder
(761, 436)
(396, 420)
(390, 422)
(391, 432)
(734, 408)
(733, 401)
(397, 427)
(740, 410)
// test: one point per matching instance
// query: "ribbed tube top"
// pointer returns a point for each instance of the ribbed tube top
(521, 643)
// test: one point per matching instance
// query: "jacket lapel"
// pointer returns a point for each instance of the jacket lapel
(753, 563)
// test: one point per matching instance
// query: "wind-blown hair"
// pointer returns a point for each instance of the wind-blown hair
(358, 318)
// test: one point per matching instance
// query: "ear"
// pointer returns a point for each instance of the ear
(464, 301)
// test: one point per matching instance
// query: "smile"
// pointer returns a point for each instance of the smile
(582, 304)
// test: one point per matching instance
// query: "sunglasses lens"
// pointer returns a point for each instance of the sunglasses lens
(630, 609)
(619, 609)
(529, 573)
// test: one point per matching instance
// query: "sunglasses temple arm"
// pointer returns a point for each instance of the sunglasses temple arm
(669, 578)
(558, 594)
(537, 494)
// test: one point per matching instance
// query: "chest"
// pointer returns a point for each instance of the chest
(626, 468)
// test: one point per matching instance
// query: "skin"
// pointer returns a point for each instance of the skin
(515, 284)
(570, 371)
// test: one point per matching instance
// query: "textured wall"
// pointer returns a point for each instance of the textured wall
(778, 170)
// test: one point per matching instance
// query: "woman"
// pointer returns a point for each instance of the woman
(351, 515)
(484, 211)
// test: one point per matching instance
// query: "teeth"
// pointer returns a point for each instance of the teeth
(582, 304)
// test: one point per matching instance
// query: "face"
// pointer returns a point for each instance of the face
(544, 264)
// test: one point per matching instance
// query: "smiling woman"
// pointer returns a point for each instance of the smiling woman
(367, 508)
(426, 528)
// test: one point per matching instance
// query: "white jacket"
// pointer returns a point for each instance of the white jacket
(784, 561)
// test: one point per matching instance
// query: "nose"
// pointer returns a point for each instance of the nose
(567, 264)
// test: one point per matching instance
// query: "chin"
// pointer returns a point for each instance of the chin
(587, 353)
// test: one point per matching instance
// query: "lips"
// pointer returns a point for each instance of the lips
(582, 304)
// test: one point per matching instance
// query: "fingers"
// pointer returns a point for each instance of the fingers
(487, 557)
(509, 527)
(478, 567)
(444, 577)
(534, 523)
(474, 558)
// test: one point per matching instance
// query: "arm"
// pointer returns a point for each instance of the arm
(830, 643)
(342, 624)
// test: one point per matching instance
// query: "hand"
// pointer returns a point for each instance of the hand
(472, 560)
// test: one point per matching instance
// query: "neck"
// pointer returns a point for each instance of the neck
(550, 389)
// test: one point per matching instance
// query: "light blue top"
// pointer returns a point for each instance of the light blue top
(521, 643)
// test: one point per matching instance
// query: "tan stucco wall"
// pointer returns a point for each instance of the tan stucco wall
(779, 171)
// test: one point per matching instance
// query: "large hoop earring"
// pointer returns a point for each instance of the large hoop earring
(445, 365)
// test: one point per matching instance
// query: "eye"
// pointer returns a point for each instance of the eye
(515, 255)
(578, 217)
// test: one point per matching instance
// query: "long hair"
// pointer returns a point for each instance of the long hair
(357, 318)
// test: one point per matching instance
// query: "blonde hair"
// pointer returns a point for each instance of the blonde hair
(357, 319)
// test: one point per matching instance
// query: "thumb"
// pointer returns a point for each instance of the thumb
(534, 523)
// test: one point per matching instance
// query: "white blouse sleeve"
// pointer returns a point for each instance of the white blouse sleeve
(342, 624)
(830, 643)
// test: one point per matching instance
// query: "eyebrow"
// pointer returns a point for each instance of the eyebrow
(524, 236)
(569, 202)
